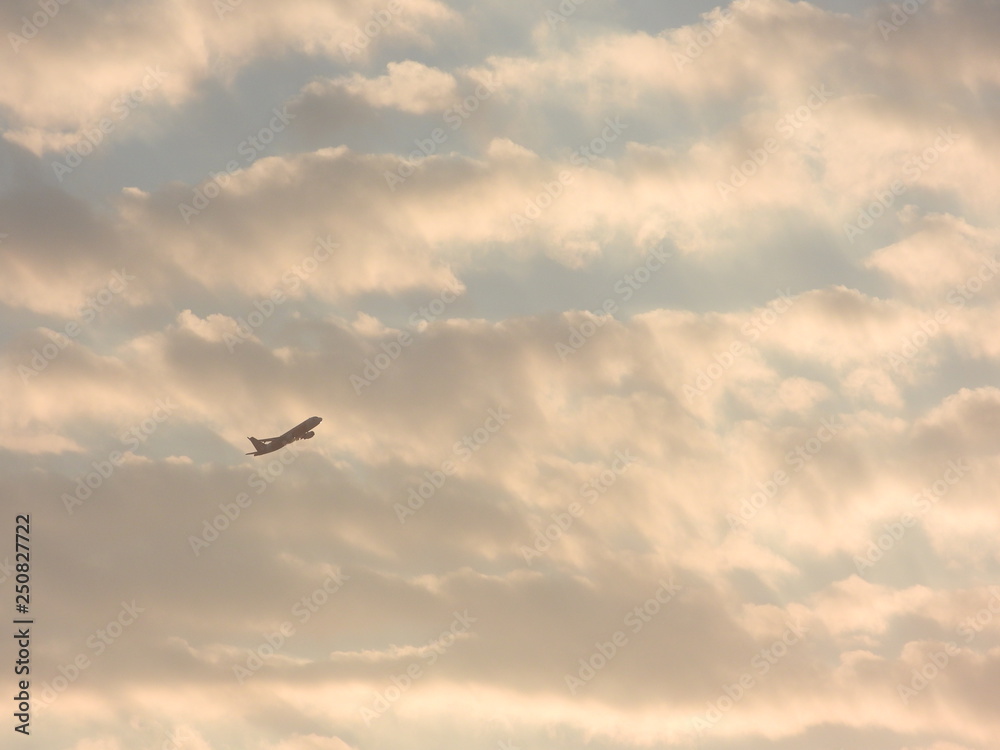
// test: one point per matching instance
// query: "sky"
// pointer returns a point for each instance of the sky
(655, 346)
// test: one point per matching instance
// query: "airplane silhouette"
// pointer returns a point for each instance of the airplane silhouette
(302, 431)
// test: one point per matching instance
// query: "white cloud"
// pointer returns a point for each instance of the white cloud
(408, 86)
(788, 399)
(66, 83)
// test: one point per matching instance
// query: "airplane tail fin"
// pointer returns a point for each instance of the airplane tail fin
(257, 444)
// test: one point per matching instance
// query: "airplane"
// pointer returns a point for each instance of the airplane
(302, 431)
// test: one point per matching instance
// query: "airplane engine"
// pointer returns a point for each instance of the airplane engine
(308, 435)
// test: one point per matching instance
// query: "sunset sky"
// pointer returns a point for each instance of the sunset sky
(656, 346)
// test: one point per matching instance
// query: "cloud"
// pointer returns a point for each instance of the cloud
(408, 86)
(962, 275)
(655, 363)
(66, 84)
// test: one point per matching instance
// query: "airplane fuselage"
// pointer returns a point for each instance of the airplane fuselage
(302, 431)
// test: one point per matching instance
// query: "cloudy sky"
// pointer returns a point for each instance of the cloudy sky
(656, 347)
